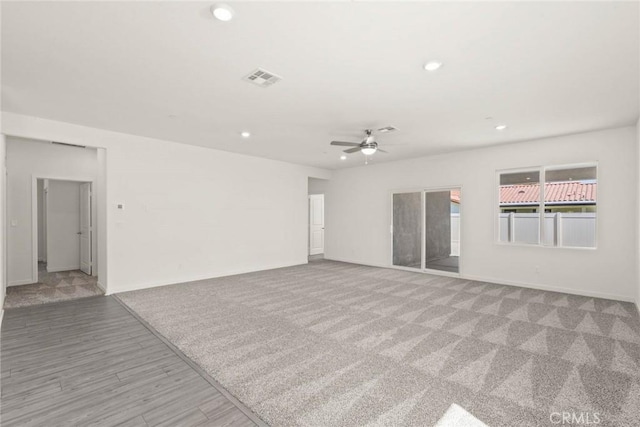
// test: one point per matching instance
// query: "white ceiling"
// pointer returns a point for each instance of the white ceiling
(543, 68)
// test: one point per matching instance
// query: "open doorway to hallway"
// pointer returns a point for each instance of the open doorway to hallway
(65, 236)
(52, 222)
(316, 191)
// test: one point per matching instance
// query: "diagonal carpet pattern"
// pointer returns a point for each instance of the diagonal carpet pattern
(52, 287)
(335, 344)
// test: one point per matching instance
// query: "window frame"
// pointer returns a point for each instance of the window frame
(541, 170)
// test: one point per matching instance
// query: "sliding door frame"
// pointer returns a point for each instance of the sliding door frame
(423, 191)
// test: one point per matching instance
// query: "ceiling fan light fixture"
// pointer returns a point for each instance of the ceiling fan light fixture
(368, 151)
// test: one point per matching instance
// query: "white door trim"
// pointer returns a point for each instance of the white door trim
(86, 208)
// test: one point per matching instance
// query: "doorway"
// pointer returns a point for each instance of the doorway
(64, 244)
(426, 230)
(52, 255)
(316, 190)
(64, 226)
(316, 225)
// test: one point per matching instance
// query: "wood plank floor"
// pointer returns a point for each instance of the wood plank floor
(91, 362)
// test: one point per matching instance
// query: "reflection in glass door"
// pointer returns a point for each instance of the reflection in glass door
(407, 229)
(442, 230)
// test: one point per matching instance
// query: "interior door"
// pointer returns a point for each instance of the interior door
(316, 224)
(86, 230)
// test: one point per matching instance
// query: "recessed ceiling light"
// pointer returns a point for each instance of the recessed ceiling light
(343, 157)
(222, 12)
(245, 134)
(501, 127)
(432, 65)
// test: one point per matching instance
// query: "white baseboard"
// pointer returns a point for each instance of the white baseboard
(148, 285)
(58, 269)
(504, 282)
(102, 288)
(368, 264)
(22, 282)
(564, 290)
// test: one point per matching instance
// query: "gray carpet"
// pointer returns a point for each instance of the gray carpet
(334, 344)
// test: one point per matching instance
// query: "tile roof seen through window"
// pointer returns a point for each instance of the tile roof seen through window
(555, 193)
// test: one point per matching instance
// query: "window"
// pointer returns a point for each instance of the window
(561, 213)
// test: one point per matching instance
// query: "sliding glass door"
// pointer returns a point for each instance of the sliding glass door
(426, 229)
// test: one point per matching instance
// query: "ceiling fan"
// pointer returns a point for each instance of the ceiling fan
(368, 146)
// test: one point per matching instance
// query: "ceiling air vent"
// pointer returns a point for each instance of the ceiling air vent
(262, 78)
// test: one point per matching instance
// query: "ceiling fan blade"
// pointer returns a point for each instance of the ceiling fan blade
(353, 150)
(382, 151)
(345, 144)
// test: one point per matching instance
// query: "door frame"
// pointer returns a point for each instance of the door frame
(34, 219)
(309, 223)
(423, 191)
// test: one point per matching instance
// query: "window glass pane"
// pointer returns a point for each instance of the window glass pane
(407, 229)
(570, 207)
(519, 207)
(442, 232)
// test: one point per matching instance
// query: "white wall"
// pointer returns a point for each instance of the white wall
(637, 258)
(63, 217)
(189, 212)
(3, 240)
(42, 222)
(27, 159)
(318, 186)
(359, 213)
(100, 254)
